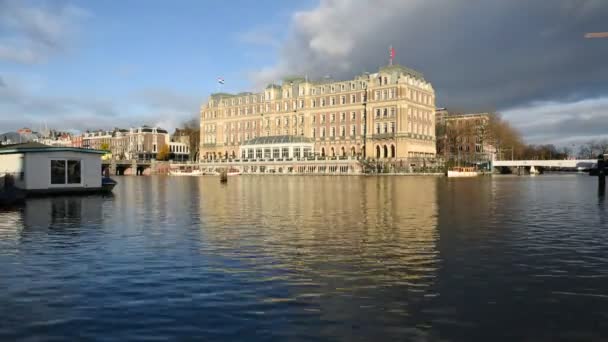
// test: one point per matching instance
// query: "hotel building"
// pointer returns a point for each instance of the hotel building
(386, 115)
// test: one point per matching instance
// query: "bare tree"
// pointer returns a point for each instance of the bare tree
(192, 129)
(593, 148)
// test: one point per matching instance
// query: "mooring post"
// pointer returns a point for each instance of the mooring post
(601, 174)
(224, 176)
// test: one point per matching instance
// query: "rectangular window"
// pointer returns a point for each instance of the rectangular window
(307, 152)
(353, 130)
(74, 172)
(58, 171)
(353, 116)
(285, 152)
(65, 172)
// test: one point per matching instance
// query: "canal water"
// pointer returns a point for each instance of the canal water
(267, 258)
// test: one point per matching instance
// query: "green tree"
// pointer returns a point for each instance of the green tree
(105, 146)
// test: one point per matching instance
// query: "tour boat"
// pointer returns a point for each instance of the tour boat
(463, 172)
(534, 171)
(229, 172)
(178, 172)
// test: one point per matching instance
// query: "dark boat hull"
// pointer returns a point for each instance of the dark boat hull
(11, 197)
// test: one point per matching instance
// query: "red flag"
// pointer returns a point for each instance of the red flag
(392, 52)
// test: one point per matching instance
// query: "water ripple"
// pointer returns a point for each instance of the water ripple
(308, 258)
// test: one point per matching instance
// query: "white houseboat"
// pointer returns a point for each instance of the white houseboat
(40, 169)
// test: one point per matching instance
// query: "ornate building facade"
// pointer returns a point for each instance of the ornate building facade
(385, 115)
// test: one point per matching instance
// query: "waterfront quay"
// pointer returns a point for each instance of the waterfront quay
(322, 165)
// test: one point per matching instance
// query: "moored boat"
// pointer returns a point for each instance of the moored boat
(462, 172)
(180, 172)
(229, 172)
(107, 184)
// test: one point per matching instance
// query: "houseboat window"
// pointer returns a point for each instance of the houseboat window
(74, 172)
(57, 171)
(65, 172)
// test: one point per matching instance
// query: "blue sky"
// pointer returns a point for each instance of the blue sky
(137, 61)
(100, 64)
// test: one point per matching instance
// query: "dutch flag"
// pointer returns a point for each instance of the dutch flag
(220, 80)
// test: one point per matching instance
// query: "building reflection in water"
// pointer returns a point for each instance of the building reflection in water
(51, 214)
(346, 247)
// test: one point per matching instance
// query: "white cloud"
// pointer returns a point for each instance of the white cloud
(561, 122)
(24, 102)
(32, 32)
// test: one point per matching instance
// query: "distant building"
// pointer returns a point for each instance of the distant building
(180, 136)
(464, 136)
(96, 139)
(76, 141)
(141, 143)
(24, 131)
(440, 115)
(385, 115)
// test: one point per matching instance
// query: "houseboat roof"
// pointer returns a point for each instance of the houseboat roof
(38, 147)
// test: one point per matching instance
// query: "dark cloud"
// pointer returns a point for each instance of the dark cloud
(478, 54)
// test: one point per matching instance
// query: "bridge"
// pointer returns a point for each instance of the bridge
(540, 165)
(127, 167)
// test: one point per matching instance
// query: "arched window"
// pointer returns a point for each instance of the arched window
(378, 152)
(322, 151)
(333, 152)
(352, 151)
(385, 151)
(343, 152)
(393, 151)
